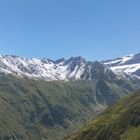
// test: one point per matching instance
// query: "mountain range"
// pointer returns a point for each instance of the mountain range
(47, 100)
(75, 68)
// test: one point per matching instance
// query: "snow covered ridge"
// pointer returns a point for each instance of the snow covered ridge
(74, 68)
(45, 69)
(129, 64)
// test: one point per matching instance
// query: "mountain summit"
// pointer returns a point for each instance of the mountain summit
(129, 64)
(74, 68)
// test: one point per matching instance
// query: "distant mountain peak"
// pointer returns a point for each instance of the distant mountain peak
(45, 68)
(75, 68)
(128, 64)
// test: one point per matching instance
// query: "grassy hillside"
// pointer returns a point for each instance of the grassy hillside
(38, 110)
(119, 122)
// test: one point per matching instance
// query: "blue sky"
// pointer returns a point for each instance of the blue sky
(94, 29)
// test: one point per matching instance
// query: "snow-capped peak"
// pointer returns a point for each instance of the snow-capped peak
(73, 68)
(129, 64)
(45, 69)
(120, 60)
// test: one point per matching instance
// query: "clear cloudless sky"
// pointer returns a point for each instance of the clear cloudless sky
(94, 29)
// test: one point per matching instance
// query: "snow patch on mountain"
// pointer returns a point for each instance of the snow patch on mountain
(120, 60)
(129, 64)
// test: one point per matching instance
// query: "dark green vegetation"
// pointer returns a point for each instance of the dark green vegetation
(119, 122)
(38, 110)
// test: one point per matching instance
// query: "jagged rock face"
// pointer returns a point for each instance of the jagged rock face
(95, 70)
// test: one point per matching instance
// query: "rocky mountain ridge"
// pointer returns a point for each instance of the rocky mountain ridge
(74, 68)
